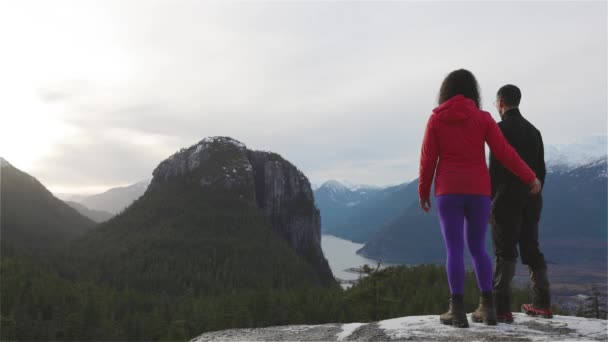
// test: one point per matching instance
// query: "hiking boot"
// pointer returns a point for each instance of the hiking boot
(504, 272)
(506, 317)
(456, 316)
(541, 298)
(533, 311)
(486, 312)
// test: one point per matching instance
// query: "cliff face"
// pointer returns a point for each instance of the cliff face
(285, 196)
(262, 179)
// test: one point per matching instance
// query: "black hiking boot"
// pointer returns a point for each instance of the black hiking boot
(504, 272)
(541, 299)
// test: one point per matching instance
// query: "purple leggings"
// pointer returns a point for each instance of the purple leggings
(460, 214)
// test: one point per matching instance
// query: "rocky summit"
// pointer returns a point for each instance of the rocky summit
(425, 328)
(263, 179)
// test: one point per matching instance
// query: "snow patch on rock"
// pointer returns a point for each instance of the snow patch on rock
(348, 329)
(426, 328)
(560, 328)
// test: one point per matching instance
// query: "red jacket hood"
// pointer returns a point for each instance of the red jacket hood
(457, 108)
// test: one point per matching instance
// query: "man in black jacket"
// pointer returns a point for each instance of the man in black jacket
(516, 212)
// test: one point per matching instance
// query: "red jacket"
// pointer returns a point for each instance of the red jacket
(454, 144)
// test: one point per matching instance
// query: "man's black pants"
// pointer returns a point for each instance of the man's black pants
(515, 220)
(515, 224)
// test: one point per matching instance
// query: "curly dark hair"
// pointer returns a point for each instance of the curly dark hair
(460, 82)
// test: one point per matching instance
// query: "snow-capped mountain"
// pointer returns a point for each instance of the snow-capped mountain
(425, 328)
(334, 187)
(342, 183)
(344, 194)
(590, 169)
(337, 200)
(563, 157)
(359, 187)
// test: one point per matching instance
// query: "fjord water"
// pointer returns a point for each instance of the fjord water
(341, 255)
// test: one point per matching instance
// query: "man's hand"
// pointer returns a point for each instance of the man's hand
(425, 204)
(535, 186)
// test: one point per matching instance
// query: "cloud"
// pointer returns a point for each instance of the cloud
(341, 89)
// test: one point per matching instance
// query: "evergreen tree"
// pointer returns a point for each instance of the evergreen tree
(594, 305)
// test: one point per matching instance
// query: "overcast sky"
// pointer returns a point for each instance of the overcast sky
(95, 94)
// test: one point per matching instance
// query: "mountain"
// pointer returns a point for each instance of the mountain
(352, 186)
(573, 225)
(352, 214)
(425, 328)
(356, 215)
(568, 156)
(32, 218)
(336, 201)
(69, 197)
(412, 237)
(95, 215)
(114, 200)
(216, 217)
(575, 202)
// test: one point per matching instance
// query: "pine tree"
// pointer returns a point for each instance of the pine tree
(594, 306)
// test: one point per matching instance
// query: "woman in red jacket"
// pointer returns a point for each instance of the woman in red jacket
(453, 151)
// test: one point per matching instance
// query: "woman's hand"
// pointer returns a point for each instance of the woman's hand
(535, 186)
(425, 204)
